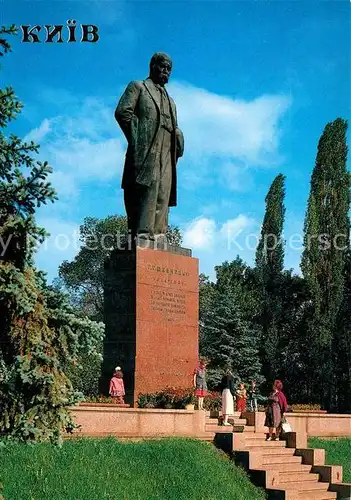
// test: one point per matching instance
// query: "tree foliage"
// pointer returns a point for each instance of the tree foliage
(40, 334)
(229, 332)
(324, 261)
(269, 271)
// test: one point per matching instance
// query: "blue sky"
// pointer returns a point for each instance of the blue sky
(255, 82)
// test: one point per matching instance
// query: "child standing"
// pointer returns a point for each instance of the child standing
(117, 385)
(241, 398)
(200, 383)
(253, 396)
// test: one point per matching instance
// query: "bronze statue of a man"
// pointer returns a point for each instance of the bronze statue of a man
(147, 116)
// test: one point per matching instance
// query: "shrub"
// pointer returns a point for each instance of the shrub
(147, 400)
(170, 397)
(304, 407)
(213, 401)
(99, 399)
(85, 376)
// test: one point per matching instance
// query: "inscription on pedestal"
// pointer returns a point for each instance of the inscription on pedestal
(168, 302)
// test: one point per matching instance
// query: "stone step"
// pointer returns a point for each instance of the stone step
(256, 435)
(303, 495)
(286, 467)
(244, 428)
(277, 452)
(265, 450)
(236, 423)
(316, 495)
(236, 414)
(304, 486)
(253, 442)
(280, 459)
(220, 429)
(297, 476)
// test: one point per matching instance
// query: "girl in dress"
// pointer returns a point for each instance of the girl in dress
(241, 398)
(277, 406)
(200, 383)
(117, 385)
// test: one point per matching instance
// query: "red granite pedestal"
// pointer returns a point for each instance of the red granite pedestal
(151, 316)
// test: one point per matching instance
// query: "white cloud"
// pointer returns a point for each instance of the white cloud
(236, 176)
(205, 233)
(236, 226)
(220, 126)
(85, 145)
(38, 134)
(86, 159)
(225, 137)
(64, 184)
(200, 233)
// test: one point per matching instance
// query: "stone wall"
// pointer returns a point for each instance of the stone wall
(138, 422)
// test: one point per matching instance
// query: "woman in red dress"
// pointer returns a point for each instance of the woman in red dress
(277, 406)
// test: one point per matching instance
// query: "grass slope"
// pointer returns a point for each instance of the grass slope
(338, 452)
(88, 469)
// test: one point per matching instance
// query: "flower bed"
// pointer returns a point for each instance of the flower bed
(100, 399)
(177, 398)
(168, 398)
(306, 408)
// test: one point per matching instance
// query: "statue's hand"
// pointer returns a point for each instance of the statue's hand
(179, 142)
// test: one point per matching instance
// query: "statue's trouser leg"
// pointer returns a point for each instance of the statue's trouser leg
(131, 202)
(153, 215)
(164, 187)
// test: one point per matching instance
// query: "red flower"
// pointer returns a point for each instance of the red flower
(29, 355)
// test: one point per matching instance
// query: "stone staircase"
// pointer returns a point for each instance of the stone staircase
(288, 470)
(285, 471)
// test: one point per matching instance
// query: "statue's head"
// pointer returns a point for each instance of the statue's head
(160, 68)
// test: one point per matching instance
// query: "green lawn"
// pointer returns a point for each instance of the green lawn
(90, 469)
(338, 452)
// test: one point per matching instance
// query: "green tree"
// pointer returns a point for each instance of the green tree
(242, 281)
(292, 368)
(324, 260)
(269, 269)
(230, 340)
(229, 331)
(343, 347)
(39, 332)
(207, 292)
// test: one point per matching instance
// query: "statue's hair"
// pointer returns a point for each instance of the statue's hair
(158, 57)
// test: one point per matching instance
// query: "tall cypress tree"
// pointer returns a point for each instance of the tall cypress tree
(343, 347)
(324, 260)
(269, 268)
